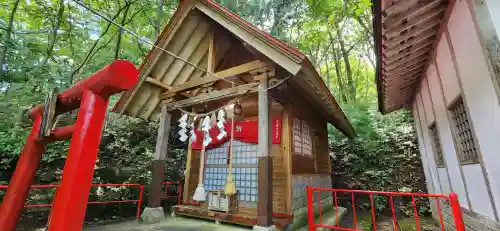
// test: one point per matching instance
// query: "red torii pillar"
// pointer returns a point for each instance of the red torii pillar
(91, 95)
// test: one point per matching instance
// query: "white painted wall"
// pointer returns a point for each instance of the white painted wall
(435, 74)
(423, 155)
(447, 73)
(477, 189)
(494, 9)
(429, 178)
(444, 181)
(426, 100)
(478, 92)
(426, 143)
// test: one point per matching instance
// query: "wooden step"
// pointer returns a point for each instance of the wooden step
(329, 218)
(300, 218)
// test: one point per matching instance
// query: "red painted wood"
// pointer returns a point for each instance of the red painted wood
(70, 203)
(116, 77)
(20, 183)
(138, 201)
(457, 212)
(93, 94)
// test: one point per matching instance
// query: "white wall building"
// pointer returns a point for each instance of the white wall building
(440, 59)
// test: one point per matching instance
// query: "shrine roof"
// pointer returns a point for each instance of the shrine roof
(238, 42)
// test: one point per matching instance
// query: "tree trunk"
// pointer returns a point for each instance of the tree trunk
(328, 75)
(160, 15)
(91, 51)
(6, 42)
(53, 37)
(338, 70)
(345, 56)
(120, 33)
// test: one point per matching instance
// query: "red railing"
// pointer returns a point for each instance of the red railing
(138, 201)
(179, 191)
(452, 199)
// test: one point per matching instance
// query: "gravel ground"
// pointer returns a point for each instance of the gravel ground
(171, 224)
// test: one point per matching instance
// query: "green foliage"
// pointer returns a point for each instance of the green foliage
(55, 43)
(383, 157)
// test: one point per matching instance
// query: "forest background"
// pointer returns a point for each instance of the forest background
(55, 43)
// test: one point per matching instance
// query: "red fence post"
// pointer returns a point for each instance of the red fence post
(179, 194)
(310, 212)
(457, 212)
(19, 187)
(139, 203)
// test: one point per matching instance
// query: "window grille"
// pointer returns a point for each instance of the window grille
(302, 137)
(244, 169)
(464, 137)
(306, 139)
(297, 138)
(436, 145)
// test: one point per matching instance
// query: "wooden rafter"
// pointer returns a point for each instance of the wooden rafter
(408, 48)
(157, 83)
(415, 36)
(399, 7)
(199, 38)
(407, 63)
(406, 85)
(222, 45)
(212, 96)
(401, 60)
(403, 71)
(427, 16)
(410, 14)
(406, 69)
(211, 53)
(220, 75)
(408, 76)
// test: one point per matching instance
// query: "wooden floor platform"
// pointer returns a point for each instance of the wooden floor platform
(240, 218)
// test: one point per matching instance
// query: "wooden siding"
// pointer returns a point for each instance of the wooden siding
(320, 163)
(193, 175)
(323, 164)
(279, 182)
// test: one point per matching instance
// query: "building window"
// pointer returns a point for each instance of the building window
(463, 133)
(436, 145)
(244, 169)
(302, 137)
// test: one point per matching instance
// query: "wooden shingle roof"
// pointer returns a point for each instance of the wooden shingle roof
(187, 35)
(406, 34)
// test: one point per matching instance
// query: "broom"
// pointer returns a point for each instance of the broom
(199, 193)
(230, 188)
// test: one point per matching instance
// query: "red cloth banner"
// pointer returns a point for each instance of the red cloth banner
(246, 131)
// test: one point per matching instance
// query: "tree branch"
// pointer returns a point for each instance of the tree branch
(160, 15)
(7, 40)
(89, 54)
(53, 37)
(120, 33)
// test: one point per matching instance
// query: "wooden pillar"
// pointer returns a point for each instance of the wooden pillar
(187, 174)
(155, 191)
(265, 201)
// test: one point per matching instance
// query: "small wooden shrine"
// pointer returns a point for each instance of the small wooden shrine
(233, 88)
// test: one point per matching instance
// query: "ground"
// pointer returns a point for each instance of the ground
(171, 224)
(407, 224)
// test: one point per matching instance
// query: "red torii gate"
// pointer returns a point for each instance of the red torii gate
(91, 95)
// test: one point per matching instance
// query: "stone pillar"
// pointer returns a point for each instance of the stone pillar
(265, 183)
(154, 211)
